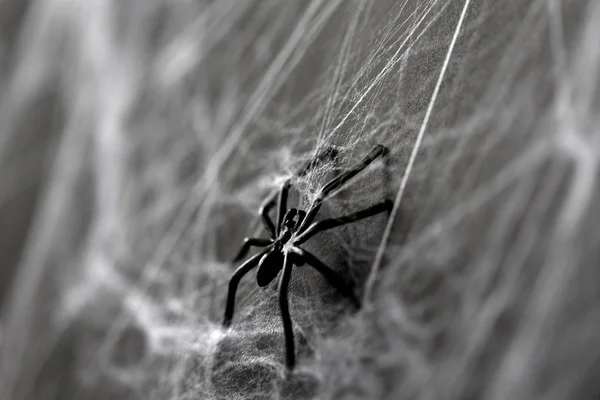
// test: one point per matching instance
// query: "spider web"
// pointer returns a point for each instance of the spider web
(139, 138)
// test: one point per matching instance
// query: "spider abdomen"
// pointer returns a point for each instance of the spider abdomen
(268, 267)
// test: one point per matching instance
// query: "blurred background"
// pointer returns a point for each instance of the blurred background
(139, 137)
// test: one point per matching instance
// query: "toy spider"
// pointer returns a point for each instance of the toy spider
(294, 227)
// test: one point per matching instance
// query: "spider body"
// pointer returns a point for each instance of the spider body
(271, 263)
(294, 227)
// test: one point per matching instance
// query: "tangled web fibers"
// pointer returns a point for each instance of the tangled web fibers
(138, 139)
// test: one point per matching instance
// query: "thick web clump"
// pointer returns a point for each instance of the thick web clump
(139, 138)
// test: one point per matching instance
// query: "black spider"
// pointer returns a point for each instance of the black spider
(295, 227)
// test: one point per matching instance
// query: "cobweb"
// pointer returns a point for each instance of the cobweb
(140, 137)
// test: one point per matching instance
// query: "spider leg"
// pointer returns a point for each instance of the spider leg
(288, 331)
(264, 214)
(328, 154)
(337, 182)
(283, 196)
(326, 224)
(234, 282)
(248, 242)
(330, 275)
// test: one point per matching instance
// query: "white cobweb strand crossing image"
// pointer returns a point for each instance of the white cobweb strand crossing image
(139, 139)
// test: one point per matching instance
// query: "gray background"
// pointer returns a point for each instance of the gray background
(138, 138)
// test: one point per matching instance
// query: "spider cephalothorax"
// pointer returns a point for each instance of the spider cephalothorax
(294, 227)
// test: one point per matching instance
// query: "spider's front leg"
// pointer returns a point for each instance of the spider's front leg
(330, 275)
(264, 214)
(339, 181)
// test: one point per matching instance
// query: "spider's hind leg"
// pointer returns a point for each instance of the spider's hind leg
(330, 275)
(235, 281)
(288, 330)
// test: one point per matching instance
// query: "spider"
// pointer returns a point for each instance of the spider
(294, 227)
